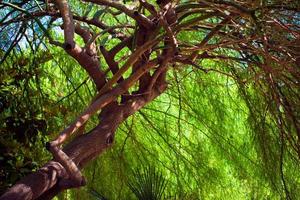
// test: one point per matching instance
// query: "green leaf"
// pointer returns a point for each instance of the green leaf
(99, 13)
(88, 9)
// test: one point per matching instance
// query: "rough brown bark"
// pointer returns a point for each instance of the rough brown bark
(148, 73)
(52, 177)
(81, 150)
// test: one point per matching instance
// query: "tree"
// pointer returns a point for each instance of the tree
(258, 42)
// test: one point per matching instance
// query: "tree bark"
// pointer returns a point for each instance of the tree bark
(44, 184)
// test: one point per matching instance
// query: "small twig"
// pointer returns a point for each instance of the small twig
(113, 66)
(141, 19)
(126, 42)
(75, 90)
(92, 39)
(170, 34)
(149, 7)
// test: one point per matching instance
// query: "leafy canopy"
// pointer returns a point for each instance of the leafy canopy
(226, 128)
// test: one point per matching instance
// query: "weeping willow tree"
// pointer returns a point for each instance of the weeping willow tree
(205, 91)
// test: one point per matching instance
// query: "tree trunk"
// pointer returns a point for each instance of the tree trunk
(44, 184)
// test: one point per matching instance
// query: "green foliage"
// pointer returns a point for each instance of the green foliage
(23, 126)
(147, 184)
(97, 195)
(226, 131)
(201, 135)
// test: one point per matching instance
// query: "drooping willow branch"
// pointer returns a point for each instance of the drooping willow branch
(102, 100)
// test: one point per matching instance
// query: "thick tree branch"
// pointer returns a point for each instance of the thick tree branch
(68, 23)
(90, 64)
(34, 185)
(101, 101)
(248, 46)
(79, 150)
(131, 60)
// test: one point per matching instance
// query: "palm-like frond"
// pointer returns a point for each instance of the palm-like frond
(97, 195)
(148, 184)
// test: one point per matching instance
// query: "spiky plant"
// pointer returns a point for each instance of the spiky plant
(147, 183)
(97, 195)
